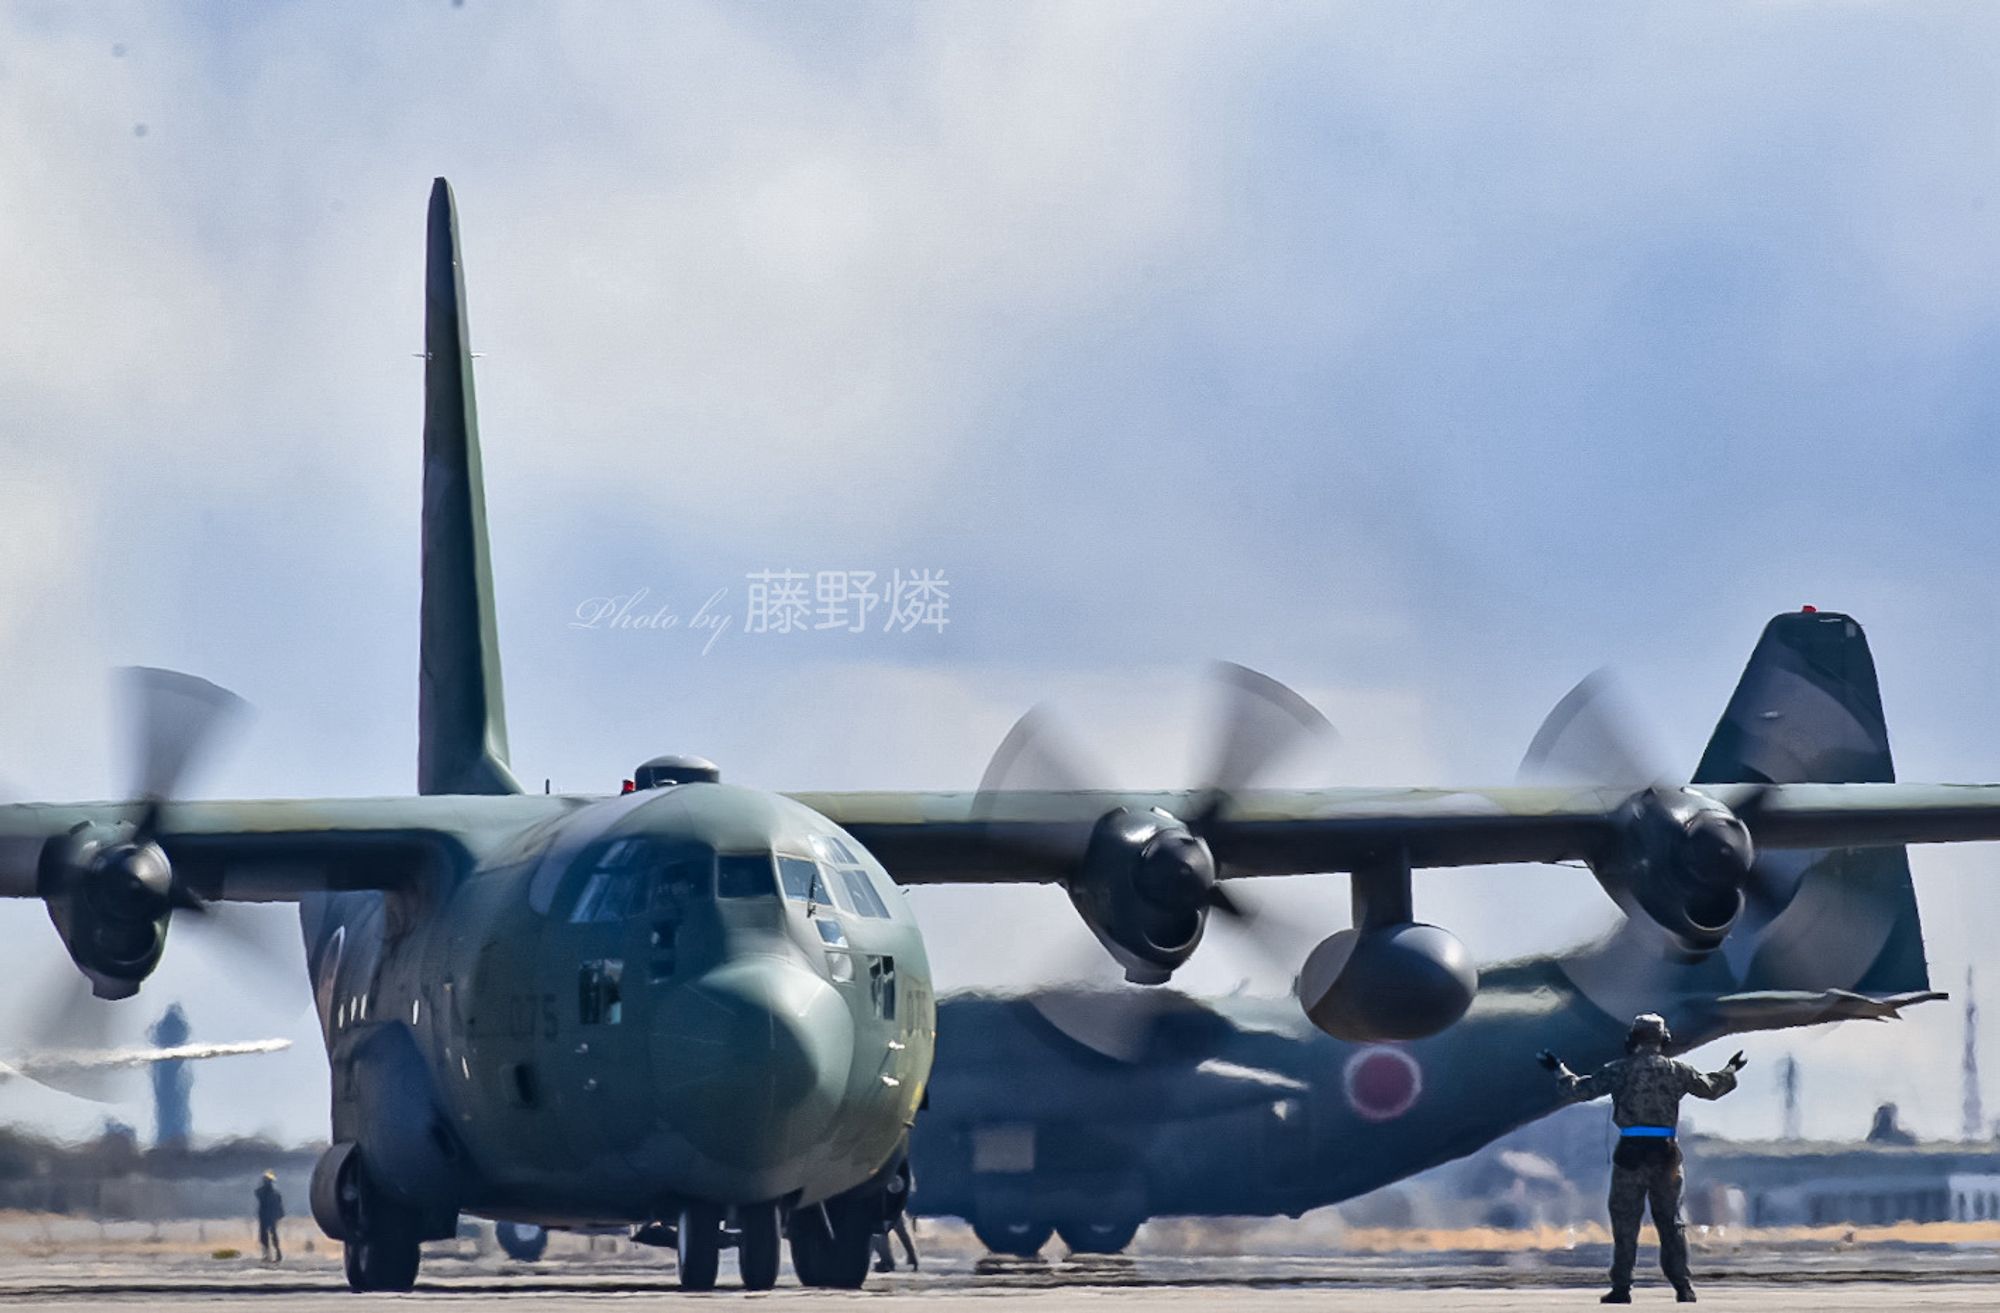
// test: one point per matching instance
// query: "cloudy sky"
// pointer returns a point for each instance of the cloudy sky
(1427, 358)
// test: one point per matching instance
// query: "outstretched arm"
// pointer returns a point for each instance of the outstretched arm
(1715, 1084)
(1578, 1089)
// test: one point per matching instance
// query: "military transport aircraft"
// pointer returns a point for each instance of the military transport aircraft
(704, 1010)
(1148, 1104)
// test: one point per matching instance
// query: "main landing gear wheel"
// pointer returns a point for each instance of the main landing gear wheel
(757, 1246)
(698, 1246)
(383, 1257)
(382, 1251)
(832, 1242)
(1013, 1236)
(521, 1241)
(1099, 1237)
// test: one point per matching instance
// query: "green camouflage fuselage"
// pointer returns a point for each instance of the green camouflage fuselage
(695, 993)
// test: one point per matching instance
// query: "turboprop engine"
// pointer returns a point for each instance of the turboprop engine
(1146, 879)
(110, 888)
(1144, 888)
(1681, 860)
(110, 896)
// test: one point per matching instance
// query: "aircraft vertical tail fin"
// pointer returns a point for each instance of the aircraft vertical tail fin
(1808, 711)
(462, 721)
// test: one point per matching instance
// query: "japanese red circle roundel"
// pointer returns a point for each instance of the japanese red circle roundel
(1383, 1083)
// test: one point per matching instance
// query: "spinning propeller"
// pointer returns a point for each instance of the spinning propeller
(1704, 909)
(1147, 882)
(111, 891)
(1589, 738)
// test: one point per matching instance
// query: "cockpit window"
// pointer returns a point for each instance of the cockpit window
(743, 875)
(636, 875)
(681, 879)
(845, 872)
(616, 885)
(862, 891)
(802, 881)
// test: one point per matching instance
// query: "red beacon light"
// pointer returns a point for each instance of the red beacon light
(627, 786)
(1808, 610)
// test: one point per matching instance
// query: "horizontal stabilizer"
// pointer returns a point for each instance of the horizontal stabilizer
(1777, 1009)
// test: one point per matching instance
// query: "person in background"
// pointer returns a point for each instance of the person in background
(270, 1211)
(898, 1222)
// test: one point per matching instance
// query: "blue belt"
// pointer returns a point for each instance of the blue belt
(1646, 1132)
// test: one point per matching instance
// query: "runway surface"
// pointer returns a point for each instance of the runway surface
(1917, 1277)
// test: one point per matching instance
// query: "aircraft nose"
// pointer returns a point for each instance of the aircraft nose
(751, 1060)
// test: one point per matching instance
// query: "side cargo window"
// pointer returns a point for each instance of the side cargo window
(599, 1000)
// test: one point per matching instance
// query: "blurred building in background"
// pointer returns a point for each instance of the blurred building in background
(173, 1117)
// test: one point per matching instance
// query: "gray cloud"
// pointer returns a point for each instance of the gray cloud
(1427, 360)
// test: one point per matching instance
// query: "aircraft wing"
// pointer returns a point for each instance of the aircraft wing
(952, 838)
(278, 850)
(47, 1066)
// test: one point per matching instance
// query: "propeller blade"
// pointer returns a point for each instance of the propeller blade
(1258, 723)
(1224, 903)
(1638, 968)
(1090, 1004)
(1247, 920)
(1588, 739)
(68, 1019)
(1036, 756)
(263, 939)
(176, 719)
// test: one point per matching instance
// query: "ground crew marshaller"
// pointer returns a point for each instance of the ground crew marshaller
(1646, 1087)
(270, 1211)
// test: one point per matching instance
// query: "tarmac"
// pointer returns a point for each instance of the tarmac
(56, 1262)
(1899, 1277)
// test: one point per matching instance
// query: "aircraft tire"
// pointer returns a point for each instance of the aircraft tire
(385, 1259)
(1097, 1237)
(521, 1241)
(1013, 1236)
(382, 1249)
(838, 1261)
(698, 1246)
(757, 1246)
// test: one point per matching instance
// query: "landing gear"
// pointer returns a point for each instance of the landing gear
(383, 1246)
(832, 1242)
(521, 1241)
(698, 1246)
(1099, 1237)
(758, 1231)
(384, 1261)
(1013, 1236)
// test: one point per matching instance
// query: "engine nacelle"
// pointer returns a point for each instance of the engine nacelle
(1392, 982)
(110, 895)
(1681, 860)
(1144, 889)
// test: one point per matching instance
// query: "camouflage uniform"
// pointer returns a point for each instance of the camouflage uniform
(1646, 1090)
